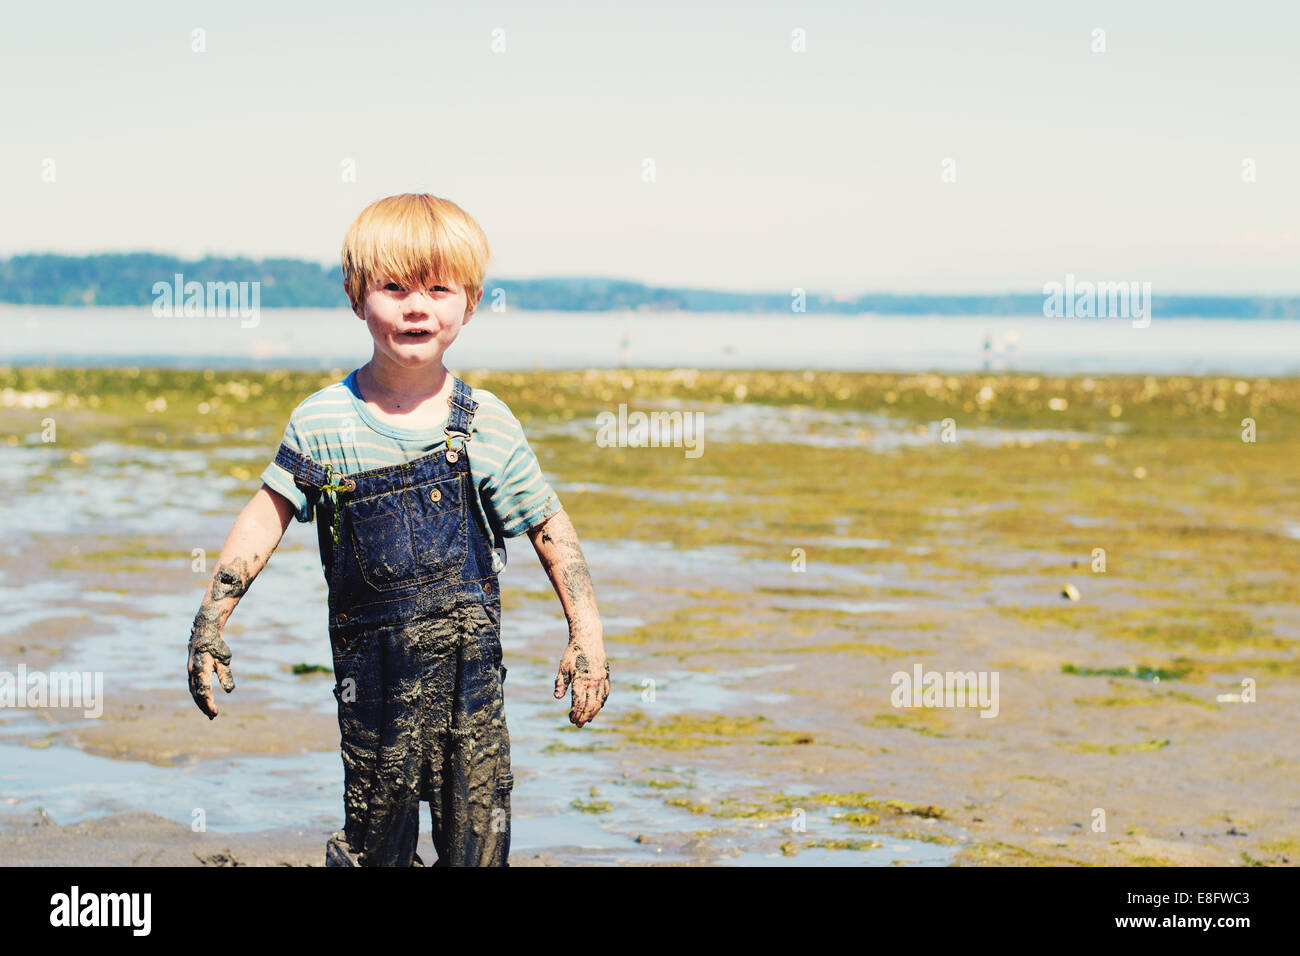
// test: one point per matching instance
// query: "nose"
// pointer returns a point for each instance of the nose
(419, 302)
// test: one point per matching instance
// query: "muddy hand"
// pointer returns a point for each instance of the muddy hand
(584, 667)
(208, 652)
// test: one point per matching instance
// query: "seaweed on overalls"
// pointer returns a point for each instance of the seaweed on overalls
(335, 484)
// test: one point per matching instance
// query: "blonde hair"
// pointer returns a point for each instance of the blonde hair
(410, 237)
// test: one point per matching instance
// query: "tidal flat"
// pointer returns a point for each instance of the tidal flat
(1122, 551)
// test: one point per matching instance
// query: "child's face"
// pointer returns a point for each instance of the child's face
(395, 313)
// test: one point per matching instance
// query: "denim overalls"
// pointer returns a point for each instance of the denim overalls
(414, 621)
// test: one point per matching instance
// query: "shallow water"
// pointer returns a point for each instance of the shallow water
(325, 338)
(236, 795)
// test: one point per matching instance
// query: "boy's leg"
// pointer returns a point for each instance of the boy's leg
(470, 796)
(380, 731)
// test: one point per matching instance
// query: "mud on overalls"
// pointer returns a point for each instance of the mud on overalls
(414, 621)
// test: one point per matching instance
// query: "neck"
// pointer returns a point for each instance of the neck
(381, 379)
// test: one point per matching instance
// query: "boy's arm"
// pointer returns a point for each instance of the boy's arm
(248, 547)
(583, 664)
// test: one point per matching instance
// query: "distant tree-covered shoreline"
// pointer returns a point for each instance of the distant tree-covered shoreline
(128, 279)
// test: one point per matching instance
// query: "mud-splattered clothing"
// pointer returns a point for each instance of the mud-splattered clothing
(335, 427)
(414, 621)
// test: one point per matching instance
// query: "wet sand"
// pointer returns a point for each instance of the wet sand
(751, 719)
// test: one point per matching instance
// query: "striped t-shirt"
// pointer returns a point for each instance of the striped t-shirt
(335, 427)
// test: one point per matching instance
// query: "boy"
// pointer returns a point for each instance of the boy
(415, 479)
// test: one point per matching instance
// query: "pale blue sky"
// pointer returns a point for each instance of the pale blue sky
(775, 169)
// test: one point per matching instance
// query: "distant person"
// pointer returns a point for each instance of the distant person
(414, 476)
(1009, 340)
(624, 346)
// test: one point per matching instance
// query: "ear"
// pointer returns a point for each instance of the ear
(473, 309)
(359, 314)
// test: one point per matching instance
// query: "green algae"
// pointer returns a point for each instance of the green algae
(791, 848)
(729, 808)
(1289, 845)
(865, 810)
(853, 647)
(689, 732)
(561, 748)
(931, 836)
(691, 806)
(1120, 700)
(1005, 854)
(1080, 747)
(1141, 672)
(691, 624)
(921, 720)
(515, 598)
(592, 806)
(856, 819)
(312, 669)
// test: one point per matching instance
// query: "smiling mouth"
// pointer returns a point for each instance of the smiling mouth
(416, 334)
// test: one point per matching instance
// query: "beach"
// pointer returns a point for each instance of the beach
(1111, 558)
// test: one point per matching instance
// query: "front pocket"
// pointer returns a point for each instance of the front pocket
(349, 655)
(409, 535)
(361, 697)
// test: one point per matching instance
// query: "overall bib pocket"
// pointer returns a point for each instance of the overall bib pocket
(410, 535)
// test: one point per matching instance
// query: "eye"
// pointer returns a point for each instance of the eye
(442, 287)
(393, 287)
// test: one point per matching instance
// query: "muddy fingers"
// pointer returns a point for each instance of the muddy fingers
(589, 696)
(199, 666)
(227, 679)
(562, 681)
(583, 659)
(208, 652)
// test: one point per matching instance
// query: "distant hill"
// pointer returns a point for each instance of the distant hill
(128, 279)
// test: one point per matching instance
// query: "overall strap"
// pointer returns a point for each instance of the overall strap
(458, 422)
(309, 475)
(461, 410)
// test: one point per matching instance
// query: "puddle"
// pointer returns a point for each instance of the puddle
(236, 795)
(272, 629)
(34, 601)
